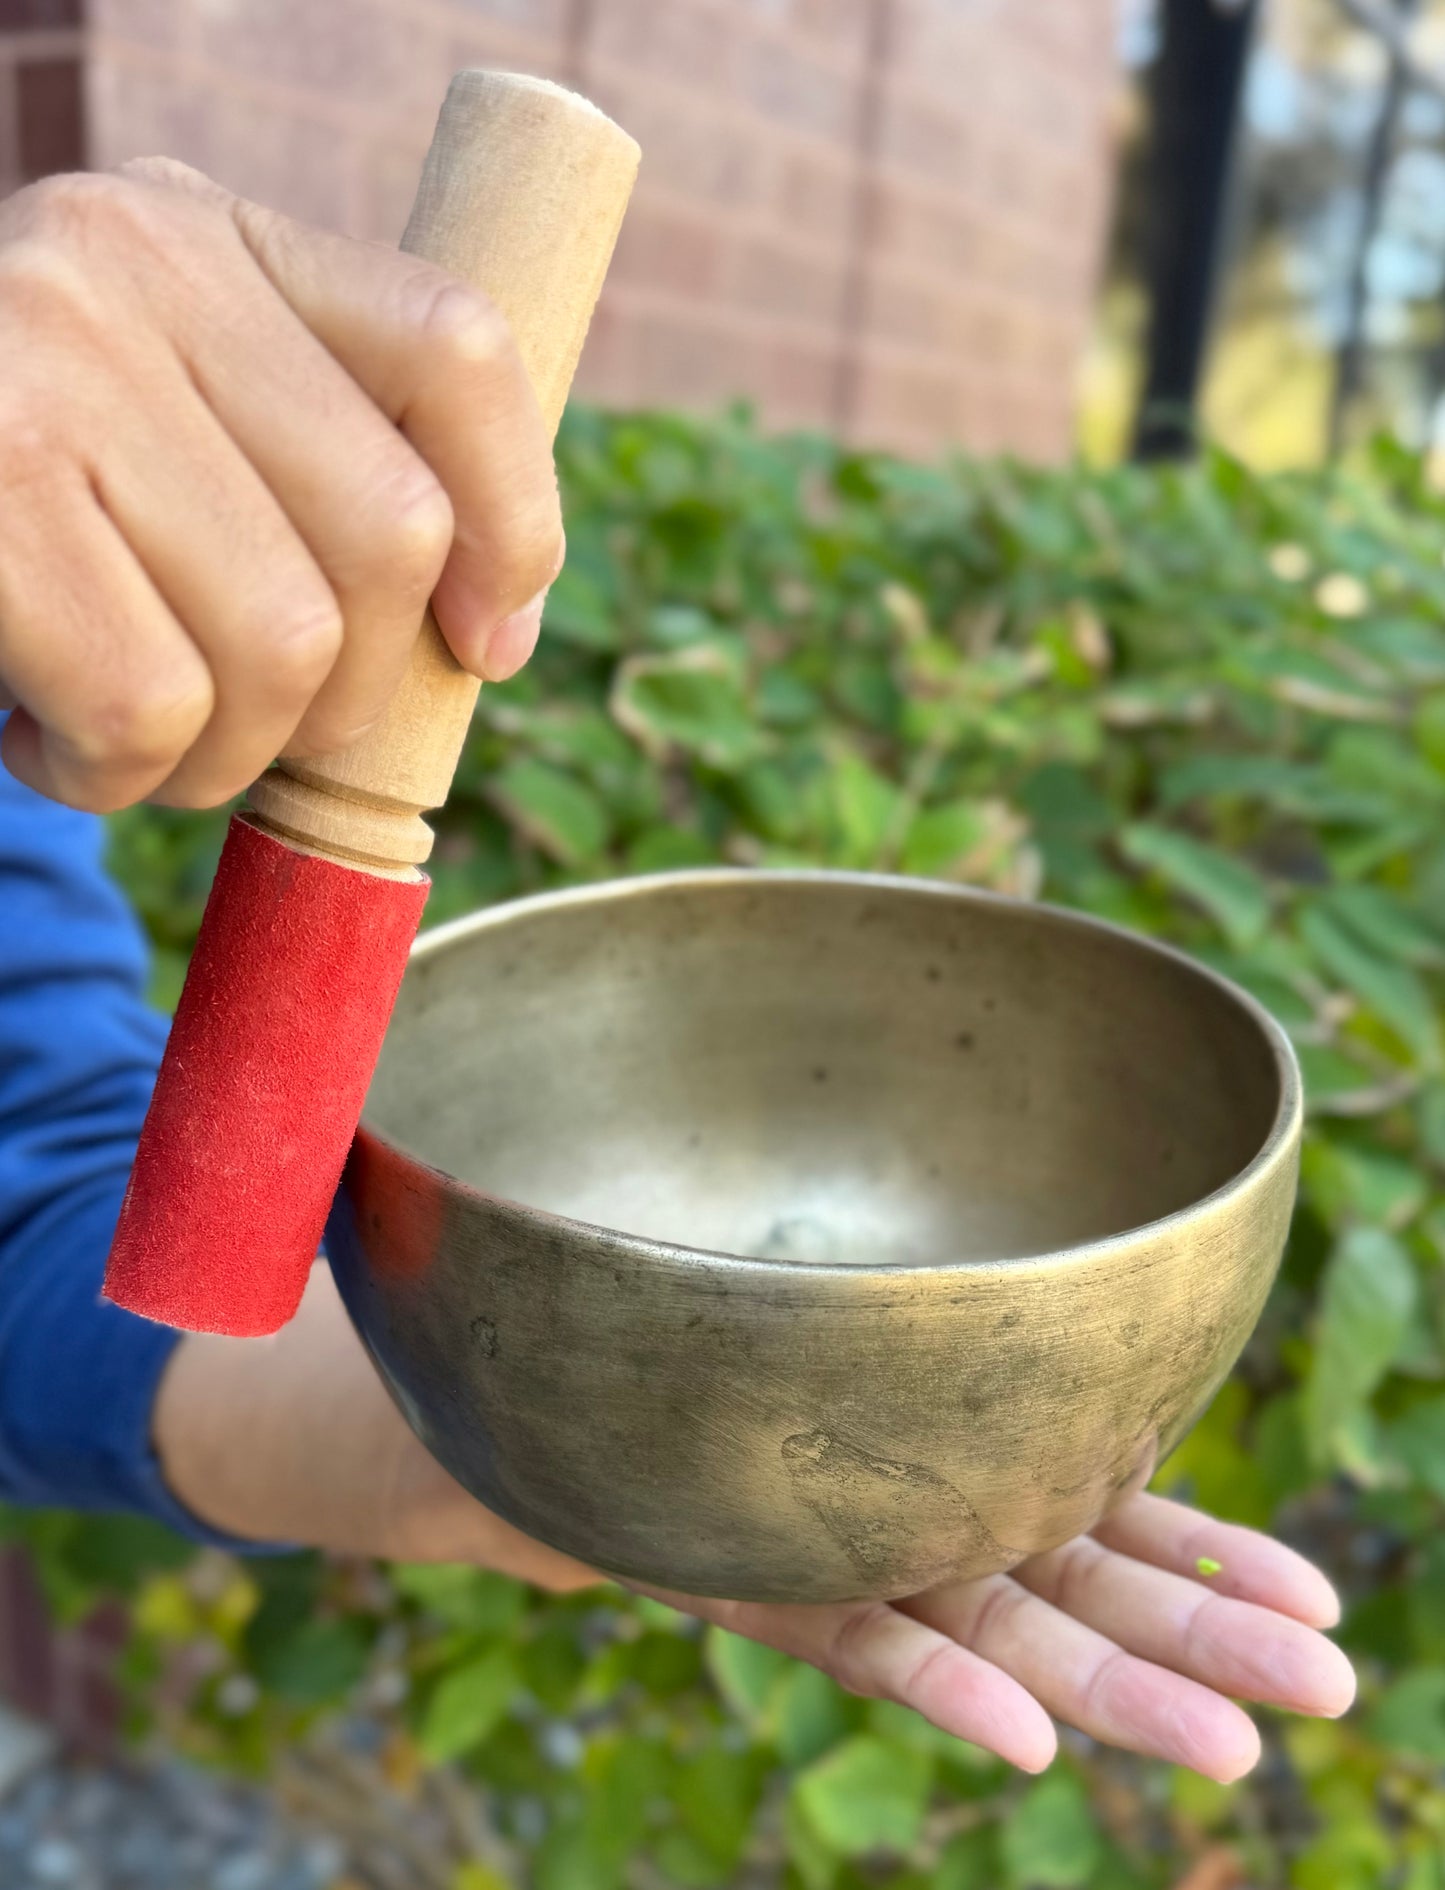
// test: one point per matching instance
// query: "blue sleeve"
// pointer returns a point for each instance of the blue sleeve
(78, 1055)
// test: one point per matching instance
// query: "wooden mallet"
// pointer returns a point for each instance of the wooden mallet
(318, 894)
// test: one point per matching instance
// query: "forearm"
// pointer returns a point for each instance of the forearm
(295, 1437)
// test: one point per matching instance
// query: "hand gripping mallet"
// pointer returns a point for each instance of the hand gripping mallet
(318, 894)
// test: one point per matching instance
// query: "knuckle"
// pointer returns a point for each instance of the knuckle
(848, 1651)
(1001, 1598)
(160, 170)
(146, 726)
(422, 527)
(465, 328)
(87, 791)
(1075, 1568)
(45, 288)
(1102, 1680)
(269, 236)
(68, 202)
(933, 1660)
(327, 735)
(83, 209)
(303, 638)
(70, 235)
(31, 439)
(406, 552)
(195, 792)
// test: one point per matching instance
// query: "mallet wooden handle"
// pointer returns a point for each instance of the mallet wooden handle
(522, 195)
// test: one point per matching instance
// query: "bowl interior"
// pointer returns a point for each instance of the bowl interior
(824, 1068)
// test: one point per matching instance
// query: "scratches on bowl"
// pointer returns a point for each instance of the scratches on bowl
(881, 1512)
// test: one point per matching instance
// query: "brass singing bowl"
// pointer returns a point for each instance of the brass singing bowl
(808, 1236)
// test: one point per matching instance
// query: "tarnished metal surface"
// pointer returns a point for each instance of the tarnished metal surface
(939, 1219)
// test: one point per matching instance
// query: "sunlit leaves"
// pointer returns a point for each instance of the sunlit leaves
(865, 1795)
(467, 1703)
(1050, 1839)
(1229, 890)
(1368, 1301)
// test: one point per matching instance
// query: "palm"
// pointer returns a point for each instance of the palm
(1118, 1633)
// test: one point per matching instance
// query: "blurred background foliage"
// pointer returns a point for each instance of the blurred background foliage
(1196, 700)
(1334, 246)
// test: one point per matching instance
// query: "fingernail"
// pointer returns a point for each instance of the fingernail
(513, 641)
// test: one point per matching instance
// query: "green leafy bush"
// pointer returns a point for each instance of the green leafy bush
(1199, 702)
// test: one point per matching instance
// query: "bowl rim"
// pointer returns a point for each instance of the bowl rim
(1278, 1146)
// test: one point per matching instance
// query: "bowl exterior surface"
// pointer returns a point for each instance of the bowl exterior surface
(767, 1430)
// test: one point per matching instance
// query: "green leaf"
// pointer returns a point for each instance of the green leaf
(467, 1704)
(470, 1598)
(666, 850)
(1347, 1182)
(578, 611)
(689, 1865)
(866, 807)
(552, 1664)
(1335, 1083)
(565, 1860)
(1417, 1440)
(810, 1713)
(627, 1779)
(1231, 892)
(941, 838)
(115, 1552)
(675, 626)
(865, 1796)
(1368, 1300)
(1393, 991)
(744, 1671)
(665, 1664)
(1050, 1840)
(968, 1862)
(1251, 777)
(474, 1876)
(318, 1663)
(691, 701)
(1430, 731)
(1431, 1115)
(1410, 1716)
(558, 813)
(816, 1865)
(1385, 923)
(716, 1797)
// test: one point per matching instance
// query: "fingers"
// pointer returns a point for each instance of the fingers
(259, 489)
(1082, 1677)
(1234, 1647)
(114, 689)
(1250, 1567)
(374, 518)
(439, 361)
(236, 574)
(876, 1650)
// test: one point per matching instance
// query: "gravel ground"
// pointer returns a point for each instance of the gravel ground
(69, 1826)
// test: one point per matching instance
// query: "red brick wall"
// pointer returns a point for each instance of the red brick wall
(41, 86)
(880, 216)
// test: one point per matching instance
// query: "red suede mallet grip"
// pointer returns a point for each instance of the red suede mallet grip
(318, 895)
(260, 1093)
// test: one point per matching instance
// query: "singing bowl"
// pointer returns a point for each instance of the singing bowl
(809, 1236)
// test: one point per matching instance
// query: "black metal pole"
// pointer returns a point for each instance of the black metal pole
(1195, 95)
